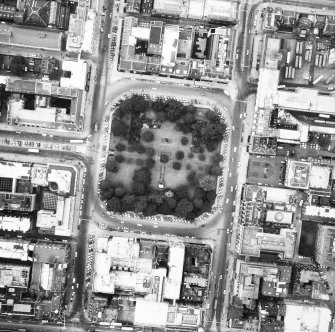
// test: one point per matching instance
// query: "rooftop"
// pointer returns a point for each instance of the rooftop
(297, 174)
(25, 36)
(312, 317)
(304, 100)
(253, 241)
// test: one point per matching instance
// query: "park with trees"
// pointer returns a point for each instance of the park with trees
(166, 158)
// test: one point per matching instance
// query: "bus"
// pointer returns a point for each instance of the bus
(76, 141)
(96, 126)
(34, 150)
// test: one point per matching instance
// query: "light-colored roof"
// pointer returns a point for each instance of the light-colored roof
(254, 241)
(320, 211)
(15, 224)
(141, 32)
(168, 6)
(45, 115)
(220, 8)
(319, 177)
(305, 100)
(14, 170)
(170, 45)
(196, 8)
(306, 317)
(89, 32)
(78, 70)
(62, 177)
(30, 37)
(278, 195)
(282, 217)
(150, 313)
(13, 249)
(175, 263)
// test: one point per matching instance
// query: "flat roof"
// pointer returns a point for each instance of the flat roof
(319, 177)
(305, 100)
(312, 317)
(155, 35)
(220, 9)
(168, 6)
(35, 38)
(254, 241)
(170, 45)
(15, 170)
(150, 313)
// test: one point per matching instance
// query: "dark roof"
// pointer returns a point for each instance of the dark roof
(155, 35)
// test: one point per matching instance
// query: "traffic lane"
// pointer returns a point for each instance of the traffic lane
(125, 85)
(22, 135)
(80, 267)
(39, 327)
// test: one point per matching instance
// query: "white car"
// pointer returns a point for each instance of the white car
(106, 102)
(220, 276)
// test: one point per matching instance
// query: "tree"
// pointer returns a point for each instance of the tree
(184, 140)
(107, 194)
(174, 110)
(114, 204)
(119, 128)
(161, 117)
(176, 165)
(202, 157)
(127, 202)
(120, 147)
(159, 105)
(120, 158)
(142, 175)
(171, 202)
(192, 178)
(198, 203)
(179, 155)
(211, 195)
(105, 184)
(140, 204)
(150, 163)
(164, 208)
(139, 162)
(135, 104)
(112, 166)
(181, 191)
(150, 151)
(120, 191)
(212, 116)
(148, 136)
(139, 188)
(211, 146)
(150, 210)
(208, 182)
(131, 148)
(164, 158)
(140, 149)
(17, 65)
(216, 170)
(183, 207)
(217, 158)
